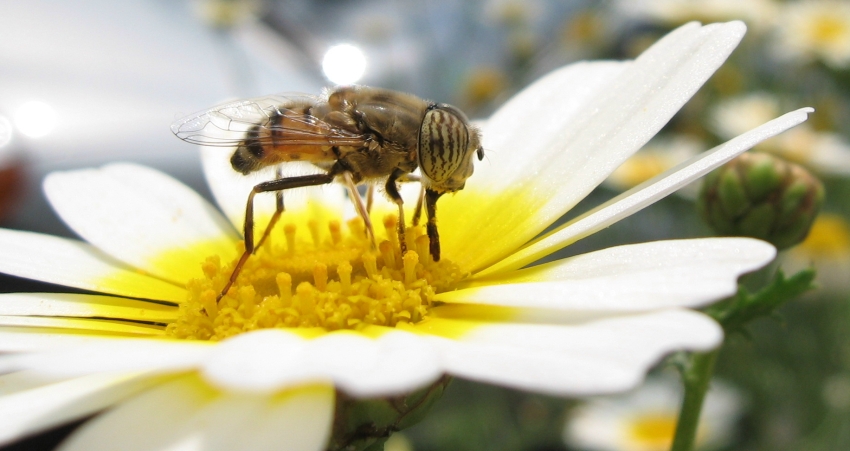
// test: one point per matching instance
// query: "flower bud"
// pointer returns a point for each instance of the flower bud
(761, 196)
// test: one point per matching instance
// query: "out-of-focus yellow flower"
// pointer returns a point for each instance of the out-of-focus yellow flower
(827, 248)
(657, 156)
(645, 419)
(815, 29)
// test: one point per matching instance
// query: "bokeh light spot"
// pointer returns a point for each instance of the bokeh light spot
(5, 131)
(35, 119)
(344, 64)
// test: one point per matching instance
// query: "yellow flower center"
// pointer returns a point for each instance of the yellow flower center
(318, 277)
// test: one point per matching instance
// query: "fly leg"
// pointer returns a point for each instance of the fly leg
(370, 197)
(433, 236)
(392, 191)
(278, 186)
(277, 212)
(417, 211)
(362, 210)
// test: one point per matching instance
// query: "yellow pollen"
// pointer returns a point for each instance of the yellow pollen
(390, 226)
(330, 277)
(320, 276)
(336, 233)
(422, 247)
(410, 261)
(289, 231)
(284, 286)
(314, 231)
(386, 249)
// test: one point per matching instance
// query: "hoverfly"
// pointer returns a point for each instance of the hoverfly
(355, 134)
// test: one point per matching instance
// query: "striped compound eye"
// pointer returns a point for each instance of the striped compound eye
(443, 143)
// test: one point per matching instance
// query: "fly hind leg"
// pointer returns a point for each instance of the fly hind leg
(277, 212)
(271, 186)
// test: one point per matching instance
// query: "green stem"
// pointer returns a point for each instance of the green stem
(696, 378)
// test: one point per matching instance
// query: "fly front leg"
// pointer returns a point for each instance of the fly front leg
(392, 191)
(417, 210)
(433, 235)
(277, 186)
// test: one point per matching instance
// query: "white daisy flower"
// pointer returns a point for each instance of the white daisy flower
(645, 419)
(334, 316)
(815, 29)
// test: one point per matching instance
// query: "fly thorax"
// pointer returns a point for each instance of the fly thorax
(443, 143)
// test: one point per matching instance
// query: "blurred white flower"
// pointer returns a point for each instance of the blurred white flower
(729, 116)
(825, 153)
(756, 13)
(815, 29)
(227, 13)
(645, 419)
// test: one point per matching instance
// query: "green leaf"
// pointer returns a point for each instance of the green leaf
(737, 311)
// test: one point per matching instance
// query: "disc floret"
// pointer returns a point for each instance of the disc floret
(329, 278)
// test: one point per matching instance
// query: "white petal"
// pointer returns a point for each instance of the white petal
(30, 411)
(395, 363)
(269, 360)
(598, 356)
(79, 265)
(645, 194)
(547, 181)
(26, 380)
(137, 215)
(185, 414)
(638, 277)
(231, 189)
(102, 356)
(92, 326)
(28, 340)
(151, 420)
(84, 305)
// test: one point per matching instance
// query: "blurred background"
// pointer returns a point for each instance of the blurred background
(88, 82)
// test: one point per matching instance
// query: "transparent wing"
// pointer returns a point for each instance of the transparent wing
(278, 120)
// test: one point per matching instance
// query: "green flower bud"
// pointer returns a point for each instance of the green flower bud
(365, 424)
(761, 196)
